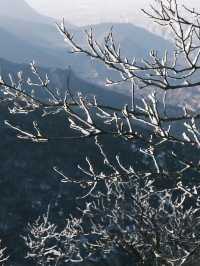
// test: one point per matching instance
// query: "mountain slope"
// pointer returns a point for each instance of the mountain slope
(28, 183)
(15, 49)
(52, 51)
(21, 10)
(27, 35)
(40, 34)
(134, 40)
(18, 18)
(58, 79)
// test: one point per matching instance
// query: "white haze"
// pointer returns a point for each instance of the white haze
(82, 12)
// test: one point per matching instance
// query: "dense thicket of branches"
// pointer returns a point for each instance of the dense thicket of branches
(151, 213)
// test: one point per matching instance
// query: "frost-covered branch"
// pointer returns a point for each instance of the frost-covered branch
(150, 212)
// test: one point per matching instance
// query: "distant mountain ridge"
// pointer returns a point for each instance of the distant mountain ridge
(27, 35)
(21, 10)
(18, 50)
(58, 80)
(133, 40)
(27, 24)
(41, 30)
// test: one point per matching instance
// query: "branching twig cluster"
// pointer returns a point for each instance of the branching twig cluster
(126, 208)
(3, 257)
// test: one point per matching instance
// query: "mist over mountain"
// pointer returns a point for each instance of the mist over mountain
(15, 49)
(134, 41)
(39, 40)
(21, 10)
(28, 25)
(86, 12)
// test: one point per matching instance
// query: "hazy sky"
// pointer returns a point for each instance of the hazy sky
(94, 11)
